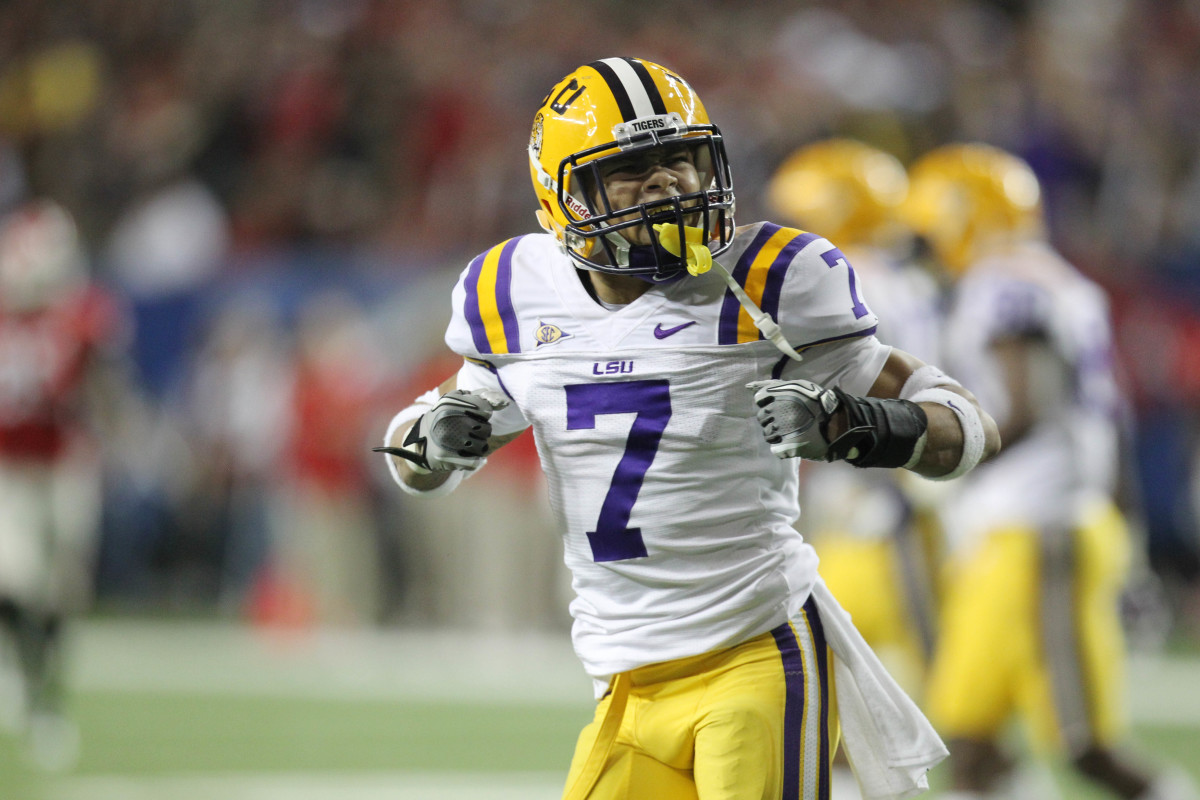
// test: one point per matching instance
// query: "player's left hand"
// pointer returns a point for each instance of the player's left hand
(794, 416)
(801, 419)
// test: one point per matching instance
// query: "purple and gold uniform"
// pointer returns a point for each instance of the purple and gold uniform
(1039, 552)
(676, 517)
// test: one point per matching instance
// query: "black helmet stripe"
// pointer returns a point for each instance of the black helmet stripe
(631, 86)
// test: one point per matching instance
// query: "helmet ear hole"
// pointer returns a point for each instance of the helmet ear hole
(545, 218)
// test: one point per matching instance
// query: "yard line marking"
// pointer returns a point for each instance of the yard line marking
(310, 786)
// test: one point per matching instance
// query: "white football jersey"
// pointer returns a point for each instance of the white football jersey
(1046, 477)
(676, 517)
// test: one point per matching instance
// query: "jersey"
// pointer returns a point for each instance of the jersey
(44, 356)
(1047, 478)
(676, 517)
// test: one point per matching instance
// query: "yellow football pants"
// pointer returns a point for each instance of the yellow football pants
(1030, 627)
(752, 722)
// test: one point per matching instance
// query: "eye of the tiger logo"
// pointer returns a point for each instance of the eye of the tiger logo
(535, 136)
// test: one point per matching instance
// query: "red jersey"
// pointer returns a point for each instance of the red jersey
(44, 355)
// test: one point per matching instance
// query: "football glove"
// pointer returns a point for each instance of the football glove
(795, 416)
(453, 434)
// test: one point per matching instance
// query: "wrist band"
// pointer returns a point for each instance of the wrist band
(968, 420)
(411, 414)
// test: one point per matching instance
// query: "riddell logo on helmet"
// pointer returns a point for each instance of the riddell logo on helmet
(577, 208)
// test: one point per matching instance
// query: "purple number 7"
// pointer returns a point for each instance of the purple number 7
(832, 258)
(613, 539)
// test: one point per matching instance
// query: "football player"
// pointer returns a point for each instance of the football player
(56, 329)
(1038, 549)
(674, 368)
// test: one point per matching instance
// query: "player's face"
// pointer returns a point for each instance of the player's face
(645, 177)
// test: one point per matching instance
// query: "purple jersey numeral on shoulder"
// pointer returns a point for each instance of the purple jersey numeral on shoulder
(833, 258)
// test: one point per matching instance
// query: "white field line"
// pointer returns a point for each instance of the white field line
(429, 665)
(442, 665)
(358, 786)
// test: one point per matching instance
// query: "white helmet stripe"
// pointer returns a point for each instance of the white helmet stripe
(639, 98)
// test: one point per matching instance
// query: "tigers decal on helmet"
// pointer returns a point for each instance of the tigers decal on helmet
(615, 108)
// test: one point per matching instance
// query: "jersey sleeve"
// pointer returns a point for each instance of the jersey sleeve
(483, 320)
(476, 374)
(1004, 308)
(852, 365)
(804, 283)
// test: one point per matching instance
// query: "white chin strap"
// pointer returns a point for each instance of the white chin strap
(761, 319)
(700, 260)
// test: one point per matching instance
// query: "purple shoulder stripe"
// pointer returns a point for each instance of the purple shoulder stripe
(504, 304)
(471, 307)
(778, 270)
(727, 327)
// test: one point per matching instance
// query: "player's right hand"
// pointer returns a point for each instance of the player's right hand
(453, 434)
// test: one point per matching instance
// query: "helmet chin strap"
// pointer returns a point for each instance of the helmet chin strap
(699, 259)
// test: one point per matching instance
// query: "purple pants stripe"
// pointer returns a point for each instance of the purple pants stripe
(795, 676)
(818, 635)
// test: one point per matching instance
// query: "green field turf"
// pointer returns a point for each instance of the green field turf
(198, 712)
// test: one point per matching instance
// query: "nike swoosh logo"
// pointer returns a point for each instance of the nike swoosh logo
(661, 333)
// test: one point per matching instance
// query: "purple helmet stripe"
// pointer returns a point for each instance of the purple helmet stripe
(728, 326)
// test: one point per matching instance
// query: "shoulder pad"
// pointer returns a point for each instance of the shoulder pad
(803, 282)
(484, 318)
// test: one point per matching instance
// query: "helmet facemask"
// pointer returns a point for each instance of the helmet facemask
(601, 237)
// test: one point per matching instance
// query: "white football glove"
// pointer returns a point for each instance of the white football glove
(878, 432)
(453, 434)
(793, 416)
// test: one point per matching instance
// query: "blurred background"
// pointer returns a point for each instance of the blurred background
(277, 195)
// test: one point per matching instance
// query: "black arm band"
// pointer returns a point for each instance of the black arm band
(879, 433)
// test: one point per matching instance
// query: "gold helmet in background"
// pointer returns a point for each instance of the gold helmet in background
(969, 200)
(846, 191)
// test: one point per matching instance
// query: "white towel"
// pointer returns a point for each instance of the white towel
(889, 743)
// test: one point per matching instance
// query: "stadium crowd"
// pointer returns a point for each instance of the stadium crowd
(278, 190)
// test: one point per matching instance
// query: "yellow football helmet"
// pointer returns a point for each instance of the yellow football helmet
(969, 200)
(847, 191)
(614, 108)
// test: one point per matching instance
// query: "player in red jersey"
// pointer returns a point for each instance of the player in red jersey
(55, 329)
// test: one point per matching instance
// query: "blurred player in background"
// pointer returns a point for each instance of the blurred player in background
(669, 428)
(1038, 548)
(875, 530)
(56, 332)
